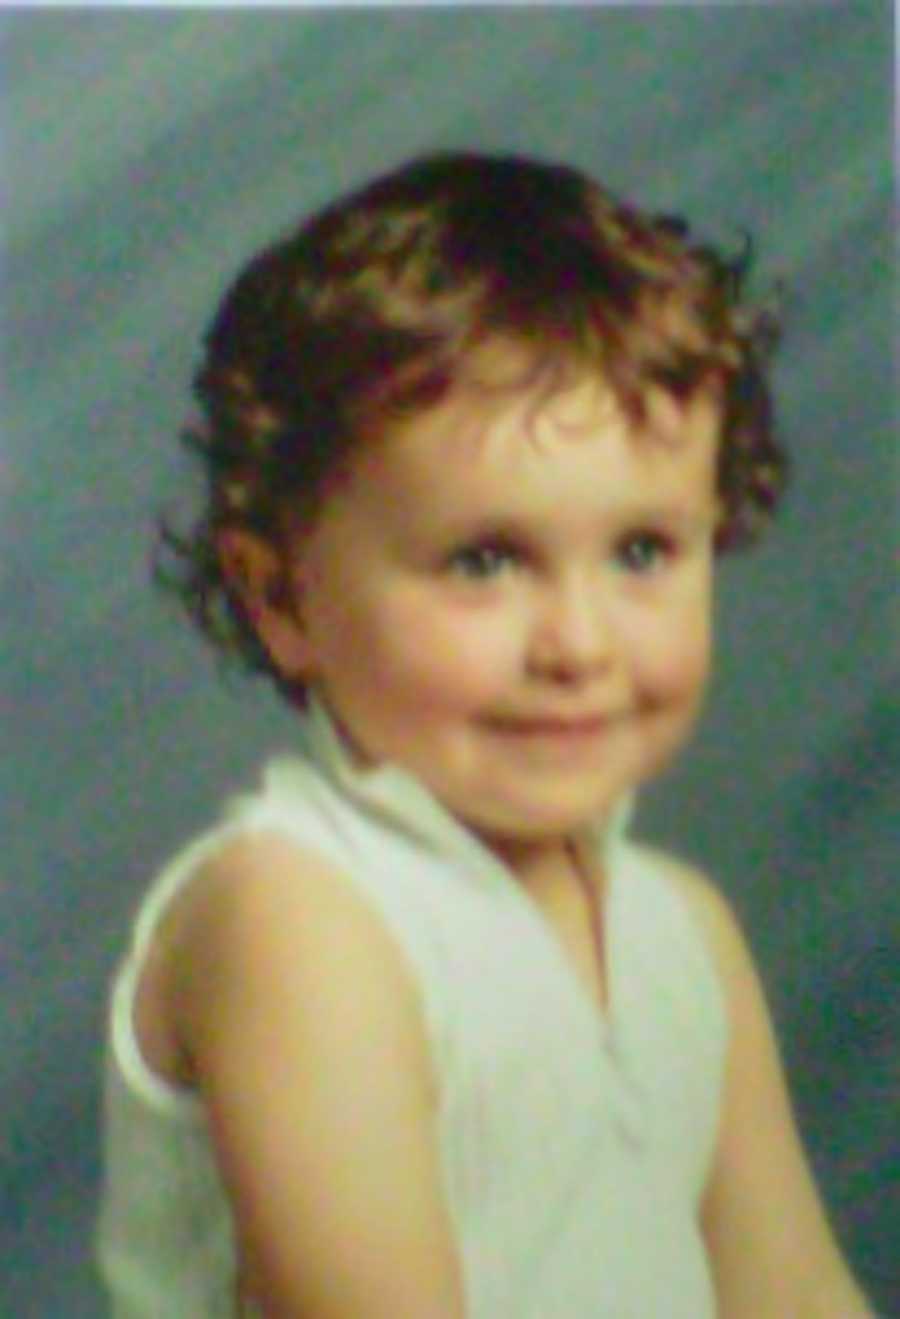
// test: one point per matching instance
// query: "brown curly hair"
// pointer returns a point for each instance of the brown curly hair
(368, 311)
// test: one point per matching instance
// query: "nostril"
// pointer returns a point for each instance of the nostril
(573, 641)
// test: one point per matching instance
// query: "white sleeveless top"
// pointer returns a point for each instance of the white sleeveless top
(575, 1146)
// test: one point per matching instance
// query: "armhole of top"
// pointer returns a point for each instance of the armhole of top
(160, 1093)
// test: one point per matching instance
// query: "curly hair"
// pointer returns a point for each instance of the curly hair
(369, 310)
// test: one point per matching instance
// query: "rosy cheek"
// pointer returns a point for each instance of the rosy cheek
(672, 654)
(451, 660)
(691, 665)
(688, 673)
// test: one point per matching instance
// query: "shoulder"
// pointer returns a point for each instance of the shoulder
(772, 1249)
(261, 918)
(265, 902)
(722, 937)
(709, 909)
(261, 886)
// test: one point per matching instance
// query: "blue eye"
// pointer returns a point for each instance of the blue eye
(644, 552)
(481, 562)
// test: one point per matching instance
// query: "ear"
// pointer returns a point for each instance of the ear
(256, 574)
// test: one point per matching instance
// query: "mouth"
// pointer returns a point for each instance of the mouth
(555, 727)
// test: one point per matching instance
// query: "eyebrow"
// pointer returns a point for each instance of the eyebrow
(510, 526)
(693, 519)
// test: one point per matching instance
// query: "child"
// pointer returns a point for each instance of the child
(416, 1030)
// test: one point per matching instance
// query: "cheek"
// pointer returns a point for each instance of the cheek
(673, 654)
(690, 666)
(441, 659)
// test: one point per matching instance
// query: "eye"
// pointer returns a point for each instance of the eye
(644, 551)
(483, 561)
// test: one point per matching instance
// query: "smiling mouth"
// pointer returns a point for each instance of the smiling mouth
(586, 726)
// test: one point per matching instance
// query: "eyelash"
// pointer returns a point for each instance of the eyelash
(639, 553)
(483, 561)
(662, 546)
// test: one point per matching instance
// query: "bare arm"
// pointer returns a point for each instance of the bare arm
(303, 1029)
(772, 1250)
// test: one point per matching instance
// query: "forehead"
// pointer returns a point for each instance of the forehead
(500, 425)
(561, 467)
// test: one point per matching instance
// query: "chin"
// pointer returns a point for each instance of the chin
(545, 822)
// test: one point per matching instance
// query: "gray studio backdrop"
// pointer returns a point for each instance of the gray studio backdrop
(146, 154)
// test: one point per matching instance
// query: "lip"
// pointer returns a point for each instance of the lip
(554, 726)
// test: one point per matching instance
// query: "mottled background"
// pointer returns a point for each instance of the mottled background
(145, 155)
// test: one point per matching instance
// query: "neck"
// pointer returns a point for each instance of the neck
(537, 863)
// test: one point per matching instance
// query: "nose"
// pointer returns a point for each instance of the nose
(573, 637)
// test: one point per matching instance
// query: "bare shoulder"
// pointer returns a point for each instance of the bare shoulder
(249, 873)
(264, 911)
(258, 903)
(256, 886)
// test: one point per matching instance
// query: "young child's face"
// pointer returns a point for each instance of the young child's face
(511, 598)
